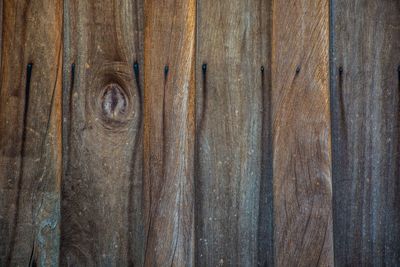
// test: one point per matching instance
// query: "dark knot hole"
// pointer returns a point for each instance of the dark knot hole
(113, 101)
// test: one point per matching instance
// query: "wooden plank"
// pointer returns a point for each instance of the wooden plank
(366, 133)
(230, 145)
(30, 132)
(102, 183)
(301, 129)
(169, 132)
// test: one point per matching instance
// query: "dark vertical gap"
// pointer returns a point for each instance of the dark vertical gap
(164, 129)
(32, 261)
(21, 165)
(204, 104)
(265, 228)
(338, 140)
(66, 122)
(269, 174)
(335, 146)
(265, 231)
(200, 114)
(138, 138)
(70, 111)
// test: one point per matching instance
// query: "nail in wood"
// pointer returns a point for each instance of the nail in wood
(204, 68)
(166, 69)
(136, 70)
(28, 81)
(72, 75)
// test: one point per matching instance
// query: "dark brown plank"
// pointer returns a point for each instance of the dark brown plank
(232, 41)
(102, 183)
(366, 131)
(169, 132)
(30, 132)
(301, 125)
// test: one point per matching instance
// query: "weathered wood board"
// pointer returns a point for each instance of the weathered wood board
(365, 85)
(103, 107)
(30, 132)
(200, 133)
(301, 133)
(231, 49)
(169, 132)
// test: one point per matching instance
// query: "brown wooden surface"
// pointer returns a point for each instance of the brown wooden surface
(301, 132)
(169, 132)
(366, 133)
(30, 127)
(198, 133)
(103, 104)
(231, 38)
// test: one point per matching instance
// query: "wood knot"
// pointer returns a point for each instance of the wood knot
(113, 101)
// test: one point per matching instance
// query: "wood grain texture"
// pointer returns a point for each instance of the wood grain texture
(30, 132)
(169, 132)
(102, 183)
(301, 129)
(232, 41)
(366, 132)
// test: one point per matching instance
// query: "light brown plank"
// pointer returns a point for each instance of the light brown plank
(169, 132)
(30, 132)
(301, 130)
(102, 184)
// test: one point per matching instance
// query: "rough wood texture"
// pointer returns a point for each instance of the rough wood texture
(198, 133)
(102, 183)
(30, 132)
(301, 129)
(232, 42)
(366, 133)
(169, 132)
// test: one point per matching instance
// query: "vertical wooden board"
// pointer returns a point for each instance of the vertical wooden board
(30, 132)
(169, 132)
(102, 183)
(231, 38)
(301, 126)
(365, 82)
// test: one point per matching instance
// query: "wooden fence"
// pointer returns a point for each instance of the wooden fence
(207, 133)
